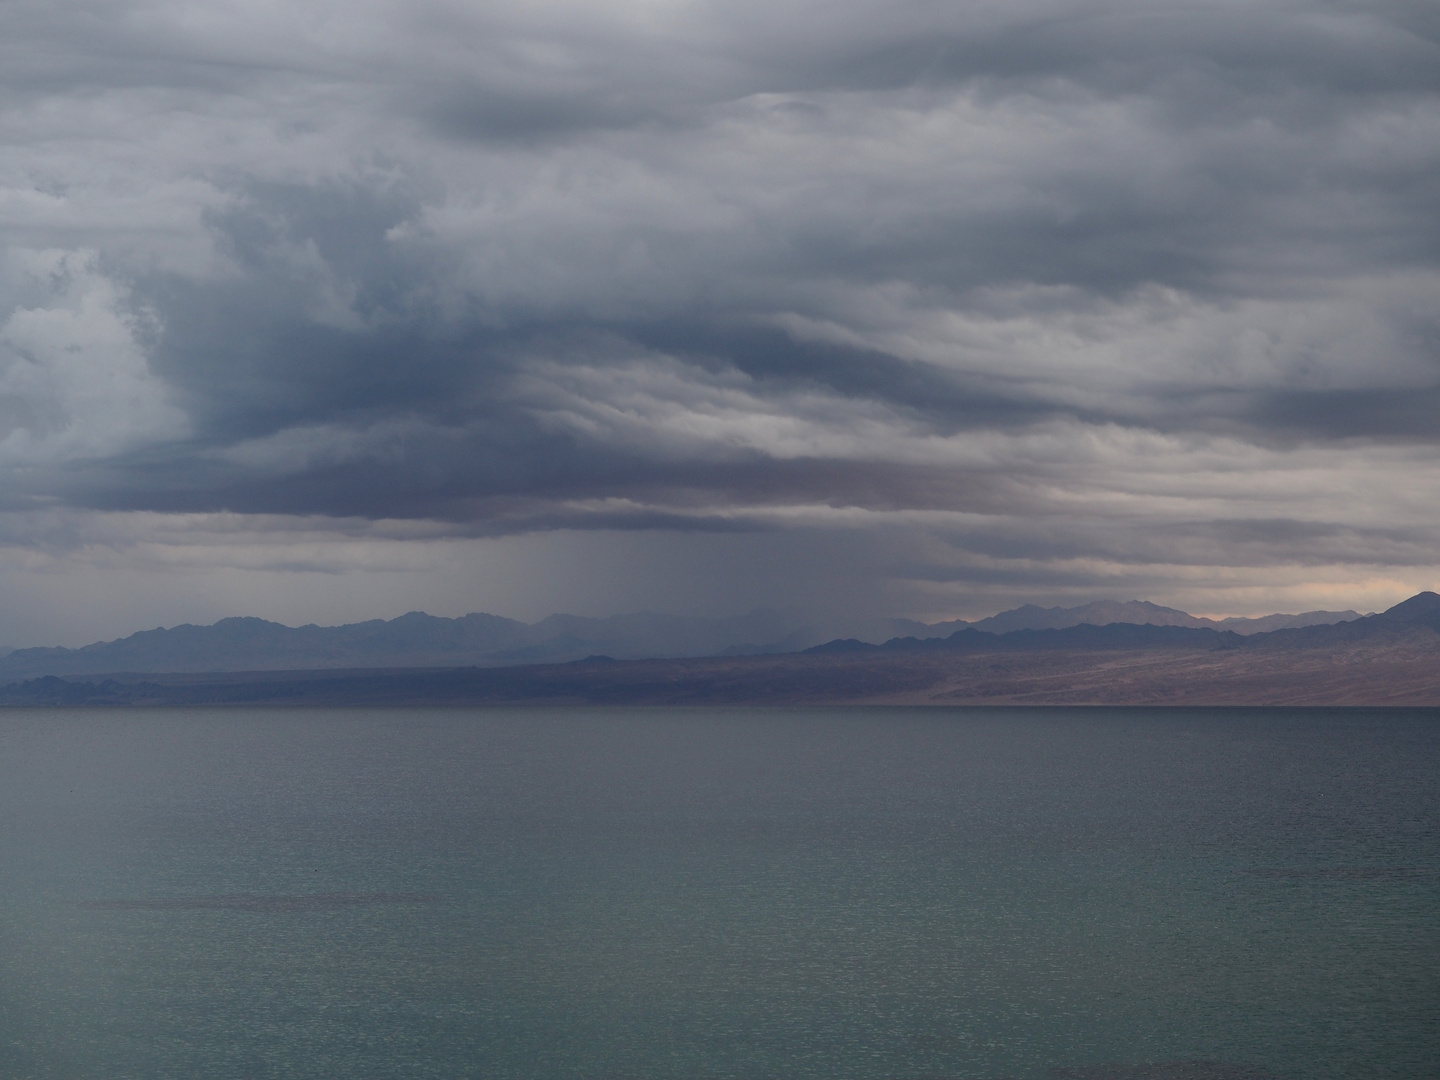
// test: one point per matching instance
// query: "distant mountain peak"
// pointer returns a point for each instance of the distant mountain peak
(1139, 612)
(1420, 607)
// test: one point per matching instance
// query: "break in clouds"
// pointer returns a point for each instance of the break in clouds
(920, 307)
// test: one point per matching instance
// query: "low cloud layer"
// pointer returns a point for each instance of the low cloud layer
(923, 308)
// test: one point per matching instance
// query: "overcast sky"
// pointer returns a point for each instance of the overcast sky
(323, 310)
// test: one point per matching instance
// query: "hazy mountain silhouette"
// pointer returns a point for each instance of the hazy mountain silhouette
(1421, 612)
(413, 640)
(1390, 659)
(1144, 613)
(420, 640)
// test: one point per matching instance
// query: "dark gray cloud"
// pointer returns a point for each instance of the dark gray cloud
(1066, 293)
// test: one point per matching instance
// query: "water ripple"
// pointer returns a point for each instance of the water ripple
(250, 902)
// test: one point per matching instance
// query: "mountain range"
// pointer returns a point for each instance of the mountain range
(1418, 615)
(1388, 659)
(1132, 612)
(418, 640)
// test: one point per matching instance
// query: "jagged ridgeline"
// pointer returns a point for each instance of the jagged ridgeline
(421, 640)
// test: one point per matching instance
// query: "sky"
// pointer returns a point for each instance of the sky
(325, 311)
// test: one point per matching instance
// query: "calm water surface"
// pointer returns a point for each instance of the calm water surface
(878, 894)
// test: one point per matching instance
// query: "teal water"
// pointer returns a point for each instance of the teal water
(878, 894)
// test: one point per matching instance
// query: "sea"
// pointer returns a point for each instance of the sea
(683, 894)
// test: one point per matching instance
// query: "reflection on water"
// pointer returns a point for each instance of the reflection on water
(855, 894)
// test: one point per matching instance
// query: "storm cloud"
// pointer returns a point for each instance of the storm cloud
(936, 306)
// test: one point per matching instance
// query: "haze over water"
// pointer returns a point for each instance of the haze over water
(848, 893)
